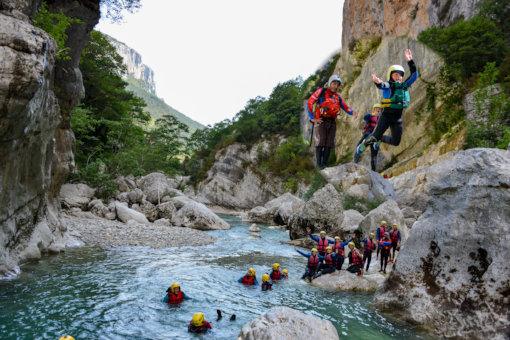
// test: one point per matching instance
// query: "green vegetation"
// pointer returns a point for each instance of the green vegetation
(362, 205)
(320, 78)
(56, 25)
(364, 47)
(318, 182)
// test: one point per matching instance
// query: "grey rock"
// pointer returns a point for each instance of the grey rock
(452, 275)
(135, 196)
(98, 208)
(284, 323)
(260, 215)
(284, 207)
(149, 210)
(347, 281)
(124, 214)
(156, 186)
(166, 210)
(352, 220)
(197, 216)
(180, 201)
(389, 212)
(123, 197)
(76, 195)
(254, 228)
(163, 222)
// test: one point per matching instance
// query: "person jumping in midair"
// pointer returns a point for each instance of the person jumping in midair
(395, 92)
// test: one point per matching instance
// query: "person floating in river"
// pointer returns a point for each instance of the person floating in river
(266, 285)
(368, 248)
(355, 260)
(198, 324)
(312, 265)
(395, 93)
(370, 119)
(322, 241)
(385, 245)
(323, 108)
(338, 249)
(328, 263)
(395, 240)
(379, 233)
(249, 279)
(285, 274)
(276, 274)
(174, 295)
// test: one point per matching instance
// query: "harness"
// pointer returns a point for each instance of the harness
(400, 97)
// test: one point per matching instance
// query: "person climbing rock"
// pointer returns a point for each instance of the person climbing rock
(395, 240)
(395, 93)
(355, 260)
(266, 285)
(285, 274)
(322, 241)
(249, 279)
(198, 324)
(312, 265)
(276, 274)
(379, 233)
(325, 104)
(328, 263)
(174, 295)
(370, 120)
(338, 248)
(368, 247)
(385, 245)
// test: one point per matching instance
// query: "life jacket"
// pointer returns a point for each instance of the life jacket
(356, 258)
(248, 280)
(328, 104)
(266, 286)
(328, 259)
(371, 123)
(370, 245)
(395, 236)
(199, 329)
(400, 97)
(380, 232)
(313, 261)
(339, 249)
(322, 244)
(175, 299)
(275, 275)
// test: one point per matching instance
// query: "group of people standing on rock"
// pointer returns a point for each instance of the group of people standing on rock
(329, 254)
(325, 104)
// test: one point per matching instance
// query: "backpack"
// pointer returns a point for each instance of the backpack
(320, 100)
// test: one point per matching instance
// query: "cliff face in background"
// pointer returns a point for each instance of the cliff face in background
(140, 78)
(37, 95)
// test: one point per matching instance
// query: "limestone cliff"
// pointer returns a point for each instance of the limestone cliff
(37, 95)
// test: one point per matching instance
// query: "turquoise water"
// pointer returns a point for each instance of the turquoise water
(116, 294)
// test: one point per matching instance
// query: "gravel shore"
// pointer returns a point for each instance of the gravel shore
(106, 234)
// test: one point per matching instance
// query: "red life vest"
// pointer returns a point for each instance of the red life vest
(275, 275)
(339, 249)
(322, 244)
(313, 261)
(328, 259)
(356, 258)
(382, 230)
(248, 280)
(175, 299)
(395, 236)
(371, 124)
(370, 245)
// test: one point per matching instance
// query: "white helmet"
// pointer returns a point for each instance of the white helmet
(394, 68)
(333, 78)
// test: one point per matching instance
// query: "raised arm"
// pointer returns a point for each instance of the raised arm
(412, 67)
(302, 253)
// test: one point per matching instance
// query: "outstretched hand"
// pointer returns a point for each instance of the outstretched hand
(408, 54)
(376, 79)
(355, 114)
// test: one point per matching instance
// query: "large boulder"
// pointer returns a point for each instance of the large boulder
(352, 220)
(156, 185)
(260, 215)
(125, 184)
(76, 195)
(389, 212)
(284, 323)
(166, 210)
(345, 281)
(453, 275)
(135, 196)
(124, 214)
(284, 207)
(323, 210)
(197, 216)
(180, 201)
(358, 181)
(98, 208)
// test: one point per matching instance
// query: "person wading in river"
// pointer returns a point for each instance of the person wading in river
(174, 294)
(198, 324)
(312, 265)
(325, 104)
(249, 279)
(266, 284)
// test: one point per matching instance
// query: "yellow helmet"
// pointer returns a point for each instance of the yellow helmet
(351, 245)
(251, 272)
(285, 271)
(337, 238)
(265, 278)
(276, 266)
(174, 286)
(329, 249)
(377, 106)
(198, 319)
(384, 223)
(372, 234)
(314, 250)
(322, 232)
(395, 225)
(66, 337)
(394, 68)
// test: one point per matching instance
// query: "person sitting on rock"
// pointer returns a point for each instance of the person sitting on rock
(285, 274)
(355, 260)
(328, 263)
(379, 233)
(266, 285)
(174, 295)
(198, 324)
(370, 119)
(338, 249)
(312, 265)
(385, 245)
(276, 274)
(395, 240)
(249, 279)
(322, 241)
(368, 248)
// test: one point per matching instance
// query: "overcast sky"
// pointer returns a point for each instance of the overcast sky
(210, 57)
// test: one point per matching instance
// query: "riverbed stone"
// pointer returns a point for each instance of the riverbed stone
(155, 186)
(345, 281)
(98, 208)
(76, 195)
(352, 219)
(166, 210)
(284, 323)
(197, 216)
(124, 213)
